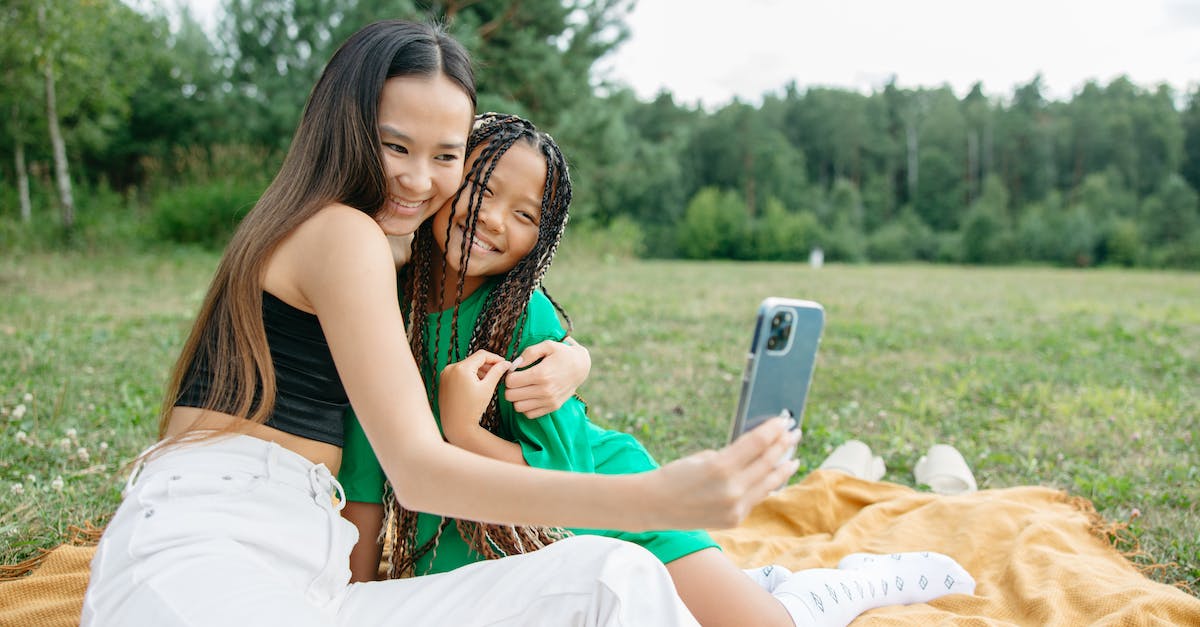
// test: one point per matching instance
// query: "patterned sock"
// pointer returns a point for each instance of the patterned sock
(768, 577)
(824, 596)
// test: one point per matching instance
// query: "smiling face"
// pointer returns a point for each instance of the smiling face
(509, 217)
(423, 127)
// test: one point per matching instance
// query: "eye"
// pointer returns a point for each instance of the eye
(395, 148)
(447, 157)
(475, 187)
(528, 216)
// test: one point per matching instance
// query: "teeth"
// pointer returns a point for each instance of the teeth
(404, 203)
(477, 243)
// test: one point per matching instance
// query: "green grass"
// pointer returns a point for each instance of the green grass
(1087, 381)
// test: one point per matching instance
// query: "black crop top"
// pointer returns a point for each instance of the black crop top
(309, 397)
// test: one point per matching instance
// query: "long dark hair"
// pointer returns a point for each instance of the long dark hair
(498, 328)
(334, 158)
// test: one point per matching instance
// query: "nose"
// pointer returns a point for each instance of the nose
(490, 217)
(416, 178)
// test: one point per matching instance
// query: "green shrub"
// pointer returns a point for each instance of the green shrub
(105, 221)
(1171, 214)
(715, 226)
(1123, 245)
(844, 242)
(622, 238)
(1038, 232)
(986, 234)
(203, 213)
(781, 235)
(949, 247)
(905, 238)
(1184, 253)
(1079, 238)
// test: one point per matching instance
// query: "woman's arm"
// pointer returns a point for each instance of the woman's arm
(341, 263)
(558, 371)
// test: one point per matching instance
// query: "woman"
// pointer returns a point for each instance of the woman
(232, 518)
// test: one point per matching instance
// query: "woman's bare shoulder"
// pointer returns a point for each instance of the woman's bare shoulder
(336, 222)
(333, 240)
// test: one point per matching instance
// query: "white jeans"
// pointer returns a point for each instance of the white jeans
(240, 531)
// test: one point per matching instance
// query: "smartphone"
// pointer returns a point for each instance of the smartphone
(780, 363)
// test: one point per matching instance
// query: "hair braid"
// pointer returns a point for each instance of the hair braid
(498, 328)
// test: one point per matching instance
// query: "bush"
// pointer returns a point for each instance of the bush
(904, 239)
(949, 247)
(1038, 232)
(104, 221)
(1079, 237)
(715, 226)
(780, 235)
(1184, 253)
(622, 238)
(203, 213)
(1122, 244)
(1172, 213)
(986, 235)
(844, 243)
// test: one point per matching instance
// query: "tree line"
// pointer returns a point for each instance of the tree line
(136, 125)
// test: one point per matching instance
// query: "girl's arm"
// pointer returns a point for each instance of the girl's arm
(367, 552)
(341, 263)
(460, 409)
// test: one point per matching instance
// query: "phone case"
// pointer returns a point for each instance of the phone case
(780, 363)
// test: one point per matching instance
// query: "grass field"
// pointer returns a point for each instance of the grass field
(1088, 381)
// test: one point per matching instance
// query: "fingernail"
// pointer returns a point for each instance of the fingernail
(516, 363)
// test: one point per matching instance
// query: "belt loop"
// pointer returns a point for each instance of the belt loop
(133, 476)
(142, 458)
(272, 459)
(326, 486)
(339, 491)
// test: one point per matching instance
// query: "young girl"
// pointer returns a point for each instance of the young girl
(234, 517)
(474, 302)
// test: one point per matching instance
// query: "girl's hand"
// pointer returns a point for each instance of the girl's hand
(717, 489)
(466, 388)
(544, 387)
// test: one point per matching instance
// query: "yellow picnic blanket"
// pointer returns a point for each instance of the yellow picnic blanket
(1033, 551)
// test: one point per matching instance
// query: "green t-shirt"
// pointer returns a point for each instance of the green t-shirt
(562, 440)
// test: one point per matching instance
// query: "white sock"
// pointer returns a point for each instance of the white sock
(824, 596)
(768, 577)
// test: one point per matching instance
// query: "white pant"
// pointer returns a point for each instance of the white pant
(240, 531)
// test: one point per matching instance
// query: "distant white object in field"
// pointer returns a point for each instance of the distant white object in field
(816, 257)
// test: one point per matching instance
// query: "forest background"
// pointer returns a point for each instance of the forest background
(127, 128)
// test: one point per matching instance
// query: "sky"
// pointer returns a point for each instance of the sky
(708, 52)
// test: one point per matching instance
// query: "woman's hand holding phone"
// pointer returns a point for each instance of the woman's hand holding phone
(717, 489)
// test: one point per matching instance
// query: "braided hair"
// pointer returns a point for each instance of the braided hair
(498, 328)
